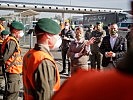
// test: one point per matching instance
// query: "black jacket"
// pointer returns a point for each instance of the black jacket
(120, 48)
(70, 34)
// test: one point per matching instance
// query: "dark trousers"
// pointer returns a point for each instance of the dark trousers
(64, 58)
(96, 59)
(12, 87)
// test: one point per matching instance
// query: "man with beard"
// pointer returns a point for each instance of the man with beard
(113, 47)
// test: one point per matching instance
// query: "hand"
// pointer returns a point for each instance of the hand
(91, 41)
(107, 54)
(110, 54)
(77, 55)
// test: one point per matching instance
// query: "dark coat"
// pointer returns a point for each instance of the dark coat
(70, 35)
(120, 48)
(129, 39)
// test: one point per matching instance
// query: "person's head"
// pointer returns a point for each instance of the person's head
(16, 29)
(113, 30)
(98, 26)
(91, 27)
(129, 27)
(79, 33)
(109, 25)
(2, 20)
(95, 28)
(4, 34)
(47, 32)
(67, 25)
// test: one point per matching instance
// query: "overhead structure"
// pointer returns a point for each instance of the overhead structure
(8, 5)
(28, 13)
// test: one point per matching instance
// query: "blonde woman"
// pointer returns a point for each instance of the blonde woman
(79, 50)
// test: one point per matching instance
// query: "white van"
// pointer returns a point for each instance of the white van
(123, 26)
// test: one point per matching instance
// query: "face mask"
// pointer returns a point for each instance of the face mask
(66, 27)
(58, 43)
(91, 29)
(4, 23)
(21, 34)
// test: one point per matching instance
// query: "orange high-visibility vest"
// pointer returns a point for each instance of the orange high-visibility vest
(30, 63)
(1, 28)
(14, 63)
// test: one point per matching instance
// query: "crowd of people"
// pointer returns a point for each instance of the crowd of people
(107, 53)
(104, 51)
(111, 73)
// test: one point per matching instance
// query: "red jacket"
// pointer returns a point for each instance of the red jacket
(109, 85)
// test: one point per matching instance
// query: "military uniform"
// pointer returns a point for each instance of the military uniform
(96, 57)
(13, 67)
(40, 73)
(4, 32)
(44, 76)
(1, 26)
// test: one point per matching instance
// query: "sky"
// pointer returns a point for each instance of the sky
(123, 4)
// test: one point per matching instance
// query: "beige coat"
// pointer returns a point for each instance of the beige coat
(78, 47)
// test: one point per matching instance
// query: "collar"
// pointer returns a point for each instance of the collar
(114, 36)
(13, 36)
(42, 48)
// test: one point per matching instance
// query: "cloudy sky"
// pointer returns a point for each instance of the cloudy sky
(123, 4)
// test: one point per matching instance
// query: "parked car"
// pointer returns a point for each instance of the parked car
(123, 26)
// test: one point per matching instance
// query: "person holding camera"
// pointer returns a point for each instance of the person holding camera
(67, 35)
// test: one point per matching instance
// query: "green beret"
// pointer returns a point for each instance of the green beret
(2, 19)
(48, 25)
(5, 32)
(17, 25)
